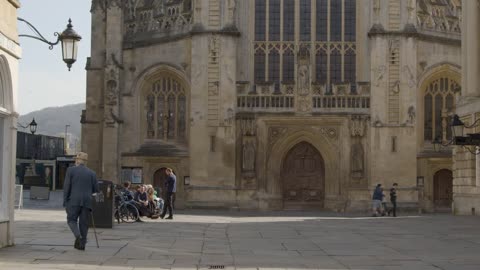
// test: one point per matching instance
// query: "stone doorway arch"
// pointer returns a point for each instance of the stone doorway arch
(303, 178)
(159, 178)
(443, 189)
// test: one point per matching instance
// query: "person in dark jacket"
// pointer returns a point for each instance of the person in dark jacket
(80, 184)
(171, 188)
(393, 200)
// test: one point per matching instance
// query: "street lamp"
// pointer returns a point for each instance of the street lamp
(32, 125)
(458, 137)
(69, 39)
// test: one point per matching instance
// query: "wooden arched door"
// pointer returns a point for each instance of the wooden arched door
(303, 178)
(443, 188)
(159, 178)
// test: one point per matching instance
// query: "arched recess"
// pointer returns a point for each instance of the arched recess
(303, 177)
(323, 144)
(7, 139)
(438, 89)
(163, 95)
(443, 188)
(5, 86)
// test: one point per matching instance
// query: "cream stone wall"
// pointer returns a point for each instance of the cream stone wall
(10, 54)
(235, 148)
(466, 188)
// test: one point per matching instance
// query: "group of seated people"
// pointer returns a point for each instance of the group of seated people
(144, 198)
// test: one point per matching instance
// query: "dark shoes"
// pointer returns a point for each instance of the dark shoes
(169, 217)
(78, 244)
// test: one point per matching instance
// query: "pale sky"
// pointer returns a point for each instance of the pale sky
(44, 78)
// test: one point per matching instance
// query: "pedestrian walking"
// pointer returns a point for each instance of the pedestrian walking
(80, 184)
(393, 200)
(377, 200)
(171, 188)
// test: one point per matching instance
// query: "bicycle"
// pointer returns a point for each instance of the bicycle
(125, 210)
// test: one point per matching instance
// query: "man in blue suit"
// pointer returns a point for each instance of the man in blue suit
(171, 188)
(80, 184)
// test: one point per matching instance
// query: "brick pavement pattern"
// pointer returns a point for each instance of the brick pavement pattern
(250, 240)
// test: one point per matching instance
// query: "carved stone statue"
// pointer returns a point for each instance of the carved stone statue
(303, 80)
(231, 11)
(357, 160)
(248, 159)
(376, 10)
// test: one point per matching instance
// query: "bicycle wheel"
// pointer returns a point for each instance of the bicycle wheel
(128, 213)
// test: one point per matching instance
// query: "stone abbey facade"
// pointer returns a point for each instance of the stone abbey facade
(276, 104)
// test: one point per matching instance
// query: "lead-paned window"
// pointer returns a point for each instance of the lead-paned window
(260, 19)
(166, 110)
(288, 66)
(321, 67)
(335, 66)
(322, 20)
(305, 20)
(335, 20)
(349, 66)
(274, 20)
(288, 20)
(259, 67)
(274, 66)
(350, 19)
(439, 104)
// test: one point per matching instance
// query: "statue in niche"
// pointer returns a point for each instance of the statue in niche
(248, 163)
(303, 80)
(111, 92)
(231, 11)
(376, 10)
(357, 160)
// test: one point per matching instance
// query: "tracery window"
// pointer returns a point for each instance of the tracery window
(165, 107)
(438, 106)
(326, 27)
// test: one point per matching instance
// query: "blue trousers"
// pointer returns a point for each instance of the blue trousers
(77, 219)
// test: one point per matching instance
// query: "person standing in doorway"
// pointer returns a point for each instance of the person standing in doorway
(393, 200)
(171, 188)
(80, 184)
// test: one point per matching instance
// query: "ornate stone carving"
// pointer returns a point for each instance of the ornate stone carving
(213, 48)
(411, 4)
(231, 4)
(379, 74)
(111, 95)
(357, 125)
(157, 16)
(303, 80)
(411, 115)
(304, 104)
(229, 115)
(274, 133)
(248, 153)
(395, 89)
(213, 90)
(248, 126)
(409, 75)
(439, 15)
(357, 160)
(249, 146)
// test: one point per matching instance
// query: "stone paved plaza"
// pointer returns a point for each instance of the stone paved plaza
(250, 240)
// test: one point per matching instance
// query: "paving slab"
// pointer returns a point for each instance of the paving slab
(249, 240)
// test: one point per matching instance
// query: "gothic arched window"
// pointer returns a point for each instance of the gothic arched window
(165, 106)
(438, 106)
(325, 27)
